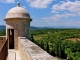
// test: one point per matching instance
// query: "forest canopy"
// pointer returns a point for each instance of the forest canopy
(62, 43)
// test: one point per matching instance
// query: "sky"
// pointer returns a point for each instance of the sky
(46, 13)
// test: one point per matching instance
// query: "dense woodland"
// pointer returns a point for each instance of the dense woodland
(61, 43)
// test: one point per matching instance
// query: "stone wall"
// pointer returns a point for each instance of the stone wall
(2, 37)
(2, 40)
(30, 51)
(3, 48)
(20, 29)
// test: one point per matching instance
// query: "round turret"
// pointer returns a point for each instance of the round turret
(17, 25)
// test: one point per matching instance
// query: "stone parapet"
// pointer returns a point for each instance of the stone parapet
(2, 40)
(2, 37)
(3, 48)
(30, 51)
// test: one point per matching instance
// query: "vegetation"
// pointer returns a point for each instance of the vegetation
(57, 43)
(2, 32)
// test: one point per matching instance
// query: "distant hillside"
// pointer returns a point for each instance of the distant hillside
(31, 27)
(2, 27)
(34, 28)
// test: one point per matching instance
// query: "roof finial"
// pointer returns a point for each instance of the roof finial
(18, 4)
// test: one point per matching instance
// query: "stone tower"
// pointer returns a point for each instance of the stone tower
(17, 25)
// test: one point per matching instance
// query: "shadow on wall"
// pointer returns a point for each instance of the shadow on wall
(3, 48)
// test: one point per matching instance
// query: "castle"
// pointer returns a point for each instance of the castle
(16, 44)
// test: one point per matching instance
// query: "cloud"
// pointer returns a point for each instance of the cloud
(63, 23)
(24, 7)
(73, 7)
(60, 19)
(64, 10)
(39, 3)
(66, 13)
(69, 23)
(7, 1)
(58, 16)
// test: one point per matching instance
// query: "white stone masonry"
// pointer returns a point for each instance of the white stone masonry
(33, 51)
